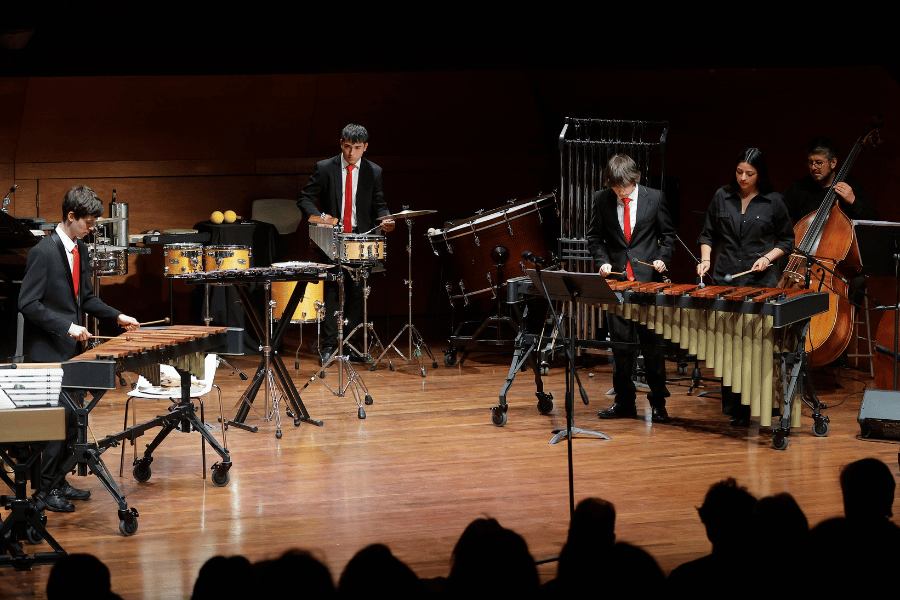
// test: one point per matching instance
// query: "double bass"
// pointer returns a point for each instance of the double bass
(827, 234)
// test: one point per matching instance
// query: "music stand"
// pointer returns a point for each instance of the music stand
(879, 251)
(588, 288)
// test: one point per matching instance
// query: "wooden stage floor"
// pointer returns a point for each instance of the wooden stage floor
(427, 461)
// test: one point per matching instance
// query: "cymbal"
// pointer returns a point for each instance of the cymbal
(406, 214)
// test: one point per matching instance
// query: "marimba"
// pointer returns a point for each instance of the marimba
(747, 335)
(140, 351)
(739, 331)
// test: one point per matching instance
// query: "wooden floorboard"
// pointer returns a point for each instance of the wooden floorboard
(425, 462)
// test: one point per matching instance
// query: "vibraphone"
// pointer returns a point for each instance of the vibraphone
(140, 351)
(271, 364)
(733, 329)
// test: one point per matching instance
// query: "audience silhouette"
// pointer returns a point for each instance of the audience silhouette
(752, 541)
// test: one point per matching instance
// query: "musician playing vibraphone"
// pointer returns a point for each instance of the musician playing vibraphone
(748, 224)
(631, 230)
(55, 291)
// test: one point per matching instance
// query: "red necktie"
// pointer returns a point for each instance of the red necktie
(348, 201)
(627, 224)
(76, 269)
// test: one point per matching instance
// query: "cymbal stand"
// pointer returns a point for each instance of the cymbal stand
(363, 273)
(413, 332)
(353, 381)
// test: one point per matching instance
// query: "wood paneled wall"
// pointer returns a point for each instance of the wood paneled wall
(177, 148)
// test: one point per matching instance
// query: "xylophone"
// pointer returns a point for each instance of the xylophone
(732, 328)
(140, 351)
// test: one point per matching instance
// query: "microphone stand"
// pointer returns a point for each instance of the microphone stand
(810, 261)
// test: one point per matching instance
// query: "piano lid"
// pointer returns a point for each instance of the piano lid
(15, 242)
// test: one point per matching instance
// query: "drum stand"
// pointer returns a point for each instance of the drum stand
(363, 273)
(413, 332)
(353, 380)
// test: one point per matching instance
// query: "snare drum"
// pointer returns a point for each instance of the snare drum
(467, 245)
(306, 311)
(108, 260)
(182, 259)
(363, 249)
(218, 258)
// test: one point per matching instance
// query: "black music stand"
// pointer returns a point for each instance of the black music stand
(588, 288)
(879, 250)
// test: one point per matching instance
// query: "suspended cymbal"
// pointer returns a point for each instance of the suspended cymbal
(406, 214)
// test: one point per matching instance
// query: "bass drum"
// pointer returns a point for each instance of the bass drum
(472, 248)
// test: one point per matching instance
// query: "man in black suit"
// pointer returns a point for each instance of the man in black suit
(328, 185)
(52, 305)
(623, 237)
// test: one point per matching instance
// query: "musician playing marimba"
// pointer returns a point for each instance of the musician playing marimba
(631, 231)
(55, 291)
(748, 225)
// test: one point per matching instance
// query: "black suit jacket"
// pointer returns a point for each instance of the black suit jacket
(47, 300)
(324, 186)
(652, 238)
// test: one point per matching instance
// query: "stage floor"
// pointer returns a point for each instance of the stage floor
(425, 462)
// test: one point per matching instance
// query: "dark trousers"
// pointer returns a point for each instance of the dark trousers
(353, 305)
(57, 451)
(622, 330)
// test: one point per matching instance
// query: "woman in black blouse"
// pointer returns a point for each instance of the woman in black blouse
(748, 225)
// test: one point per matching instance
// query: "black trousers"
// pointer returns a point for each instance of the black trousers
(57, 451)
(622, 330)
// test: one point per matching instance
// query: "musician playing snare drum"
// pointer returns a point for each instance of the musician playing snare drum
(357, 212)
(55, 291)
(631, 231)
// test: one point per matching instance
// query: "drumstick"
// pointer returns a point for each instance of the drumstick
(648, 264)
(166, 320)
(728, 278)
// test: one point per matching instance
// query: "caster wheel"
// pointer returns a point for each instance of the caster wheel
(129, 526)
(142, 472)
(682, 370)
(361, 413)
(498, 416)
(297, 422)
(220, 479)
(278, 434)
(33, 536)
(820, 428)
(450, 359)
(544, 406)
(423, 372)
(545, 370)
(779, 442)
(369, 400)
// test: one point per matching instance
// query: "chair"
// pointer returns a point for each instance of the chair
(210, 364)
(285, 215)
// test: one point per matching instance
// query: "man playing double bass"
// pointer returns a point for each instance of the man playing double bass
(805, 195)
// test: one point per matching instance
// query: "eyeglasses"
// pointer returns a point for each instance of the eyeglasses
(816, 163)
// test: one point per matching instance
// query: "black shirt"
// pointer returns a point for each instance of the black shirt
(738, 240)
(805, 196)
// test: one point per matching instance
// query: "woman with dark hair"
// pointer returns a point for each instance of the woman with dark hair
(748, 225)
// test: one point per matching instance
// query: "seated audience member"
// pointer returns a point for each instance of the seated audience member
(79, 576)
(490, 561)
(591, 536)
(374, 571)
(293, 572)
(223, 577)
(631, 568)
(781, 516)
(727, 514)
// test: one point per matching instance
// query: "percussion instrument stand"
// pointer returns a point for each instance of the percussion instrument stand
(413, 332)
(271, 368)
(801, 382)
(359, 390)
(363, 273)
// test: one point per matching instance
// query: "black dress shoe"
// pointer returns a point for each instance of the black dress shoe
(73, 493)
(326, 354)
(56, 502)
(619, 411)
(660, 415)
(740, 421)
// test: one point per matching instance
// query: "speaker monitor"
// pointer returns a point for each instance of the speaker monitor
(879, 414)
